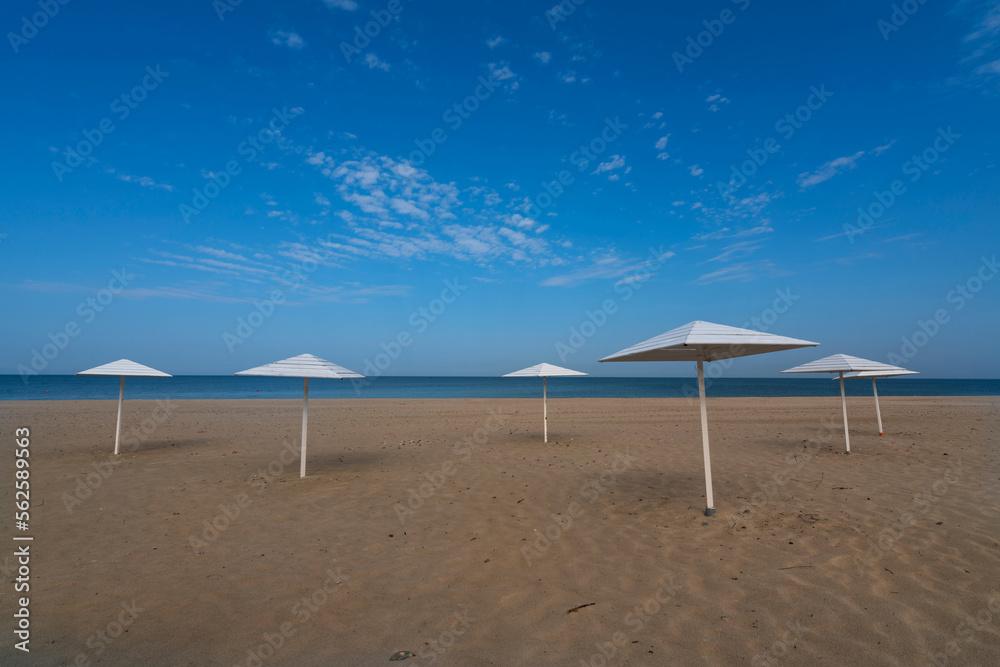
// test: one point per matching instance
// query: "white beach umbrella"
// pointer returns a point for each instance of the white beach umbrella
(544, 371)
(873, 375)
(843, 363)
(303, 366)
(124, 368)
(701, 342)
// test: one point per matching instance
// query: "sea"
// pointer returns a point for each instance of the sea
(70, 387)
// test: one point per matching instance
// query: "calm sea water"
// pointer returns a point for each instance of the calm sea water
(70, 387)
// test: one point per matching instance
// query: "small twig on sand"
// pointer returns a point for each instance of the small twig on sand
(589, 604)
(792, 567)
(820, 480)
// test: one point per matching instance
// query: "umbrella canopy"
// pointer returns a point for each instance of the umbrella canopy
(303, 366)
(544, 371)
(840, 364)
(873, 375)
(123, 368)
(701, 342)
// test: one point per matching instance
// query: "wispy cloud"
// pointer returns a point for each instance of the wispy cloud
(502, 72)
(495, 41)
(715, 102)
(348, 5)
(543, 56)
(606, 265)
(289, 39)
(741, 272)
(373, 62)
(829, 170)
(615, 162)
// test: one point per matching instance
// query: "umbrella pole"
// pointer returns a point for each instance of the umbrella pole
(118, 429)
(878, 411)
(843, 404)
(709, 499)
(305, 428)
(545, 410)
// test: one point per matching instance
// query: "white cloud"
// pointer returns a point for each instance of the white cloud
(290, 39)
(742, 272)
(727, 233)
(373, 62)
(502, 72)
(321, 199)
(696, 170)
(716, 102)
(657, 115)
(348, 5)
(144, 181)
(829, 170)
(607, 265)
(661, 143)
(543, 56)
(495, 41)
(616, 162)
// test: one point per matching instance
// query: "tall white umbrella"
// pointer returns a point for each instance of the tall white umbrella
(842, 363)
(124, 368)
(873, 375)
(303, 366)
(701, 342)
(544, 371)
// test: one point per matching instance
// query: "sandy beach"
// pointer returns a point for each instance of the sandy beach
(448, 529)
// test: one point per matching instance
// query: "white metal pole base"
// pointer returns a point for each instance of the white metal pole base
(878, 411)
(843, 404)
(709, 498)
(118, 429)
(305, 428)
(545, 411)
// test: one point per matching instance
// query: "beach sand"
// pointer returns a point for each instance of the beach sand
(447, 528)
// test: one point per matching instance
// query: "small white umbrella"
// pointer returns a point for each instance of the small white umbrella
(842, 363)
(873, 375)
(303, 366)
(703, 341)
(124, 368)
(544, 371)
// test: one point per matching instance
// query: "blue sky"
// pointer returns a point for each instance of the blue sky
(207, 187)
